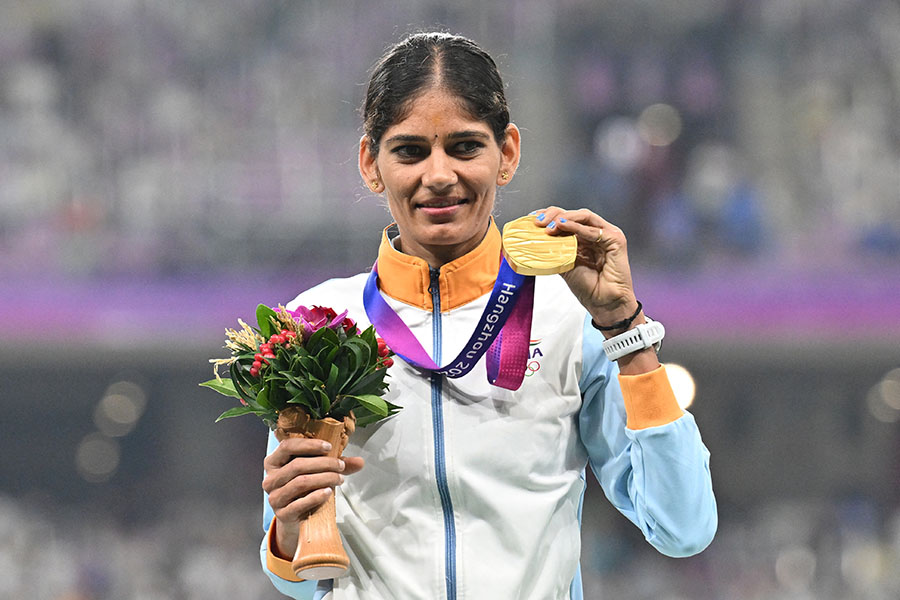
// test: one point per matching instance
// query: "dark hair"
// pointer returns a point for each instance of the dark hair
(425, 60)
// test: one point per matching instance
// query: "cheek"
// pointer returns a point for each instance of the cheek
(399, 184)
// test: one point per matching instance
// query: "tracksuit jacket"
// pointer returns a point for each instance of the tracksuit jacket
(474, 491)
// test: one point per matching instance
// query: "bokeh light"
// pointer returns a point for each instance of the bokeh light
(883, 399)
(618, 144)
(795, 567)
(659, 124)
(97, 458)
(682, 384)
(120, 408)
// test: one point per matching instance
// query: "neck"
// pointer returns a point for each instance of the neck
(406, 277)
(438, 255)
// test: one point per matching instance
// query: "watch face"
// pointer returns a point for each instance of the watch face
(530, 250)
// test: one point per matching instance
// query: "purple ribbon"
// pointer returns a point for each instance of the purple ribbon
(503, 331)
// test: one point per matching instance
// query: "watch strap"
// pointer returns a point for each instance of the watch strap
(643, 336)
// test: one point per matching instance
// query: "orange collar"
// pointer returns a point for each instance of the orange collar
(406, 278)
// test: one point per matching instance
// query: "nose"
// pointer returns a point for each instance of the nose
(439, 172)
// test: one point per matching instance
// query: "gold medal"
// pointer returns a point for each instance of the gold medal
(529, 250)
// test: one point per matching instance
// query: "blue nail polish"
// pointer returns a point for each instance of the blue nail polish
(541, 217)
(562, 219)
(551, 225)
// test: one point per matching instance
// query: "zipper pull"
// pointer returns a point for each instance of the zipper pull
(434, 285)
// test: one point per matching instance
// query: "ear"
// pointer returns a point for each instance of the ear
(368, 166)
(509, 154)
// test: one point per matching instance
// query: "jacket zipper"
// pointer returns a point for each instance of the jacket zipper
(440, 464)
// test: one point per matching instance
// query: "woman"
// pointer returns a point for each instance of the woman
(473, 490)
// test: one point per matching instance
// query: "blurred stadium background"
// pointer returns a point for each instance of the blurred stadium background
(165, 166)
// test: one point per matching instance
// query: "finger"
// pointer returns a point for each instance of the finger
(301, 507)
(291, 447)
(590, 234)
(559, 221)
(301, 465)
(353, 464)
(301, 486)
(588, 226)
(545, 216)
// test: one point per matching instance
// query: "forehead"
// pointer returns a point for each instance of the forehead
(435, 111)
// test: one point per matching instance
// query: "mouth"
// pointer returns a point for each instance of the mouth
(439, 203)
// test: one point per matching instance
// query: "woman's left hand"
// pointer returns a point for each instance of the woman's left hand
(601, 279)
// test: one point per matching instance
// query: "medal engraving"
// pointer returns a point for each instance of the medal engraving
(529, 250)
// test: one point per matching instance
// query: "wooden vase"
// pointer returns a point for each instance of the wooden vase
(320, 553)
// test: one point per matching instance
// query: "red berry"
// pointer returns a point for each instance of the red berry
(265, 348)
(276, 339)
(388, 362)
(257, 365)
(254, 372)
(268, 355)
(289, 334)
(382, 352)
(381, 343)
(257, 356)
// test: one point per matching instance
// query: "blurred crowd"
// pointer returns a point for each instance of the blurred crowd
(55, 554)
(176, 137)
(785, 551)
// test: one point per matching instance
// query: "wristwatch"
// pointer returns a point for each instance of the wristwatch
(643, 336)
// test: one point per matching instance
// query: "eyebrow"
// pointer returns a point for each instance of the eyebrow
(421, 138)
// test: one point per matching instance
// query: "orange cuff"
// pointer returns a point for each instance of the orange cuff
(649, 399)
(274, 563)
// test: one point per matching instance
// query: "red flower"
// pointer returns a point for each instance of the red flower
(329, 312)
(349, 325)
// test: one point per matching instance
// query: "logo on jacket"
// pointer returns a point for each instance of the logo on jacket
(534, 353)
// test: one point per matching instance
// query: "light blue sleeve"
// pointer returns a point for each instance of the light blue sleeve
(300, 590)
(657, 477)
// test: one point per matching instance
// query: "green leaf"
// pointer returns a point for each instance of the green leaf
(243, 387)
(367, 419)
(237, 411)
(262, 399)
(369, 336)
(374, 404)
(263, 316)
(314, 341)
(311, 367)
(224, 387)
(331, 384)
(314, 402)
(332, 354)
(357, 357)
(365, 384)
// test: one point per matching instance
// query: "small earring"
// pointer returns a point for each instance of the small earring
(374, 185)
(504, 175)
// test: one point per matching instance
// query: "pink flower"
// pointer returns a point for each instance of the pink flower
(318, 317)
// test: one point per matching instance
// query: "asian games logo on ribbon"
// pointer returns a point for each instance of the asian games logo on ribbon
(534, 353)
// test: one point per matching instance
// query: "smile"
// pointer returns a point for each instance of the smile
(441, 203)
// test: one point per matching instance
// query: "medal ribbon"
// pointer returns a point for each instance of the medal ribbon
(503, 331)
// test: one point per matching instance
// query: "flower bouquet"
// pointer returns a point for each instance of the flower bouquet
(310, 373)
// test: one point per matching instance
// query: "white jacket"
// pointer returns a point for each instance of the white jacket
(474, 491)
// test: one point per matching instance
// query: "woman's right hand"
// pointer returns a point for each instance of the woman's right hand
(299, 478)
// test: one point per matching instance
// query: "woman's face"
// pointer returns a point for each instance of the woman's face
(440, 168)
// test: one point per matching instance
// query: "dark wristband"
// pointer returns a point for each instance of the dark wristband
(623, 324)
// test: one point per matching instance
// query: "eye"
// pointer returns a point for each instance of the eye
(408, 151)
(468, 147)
